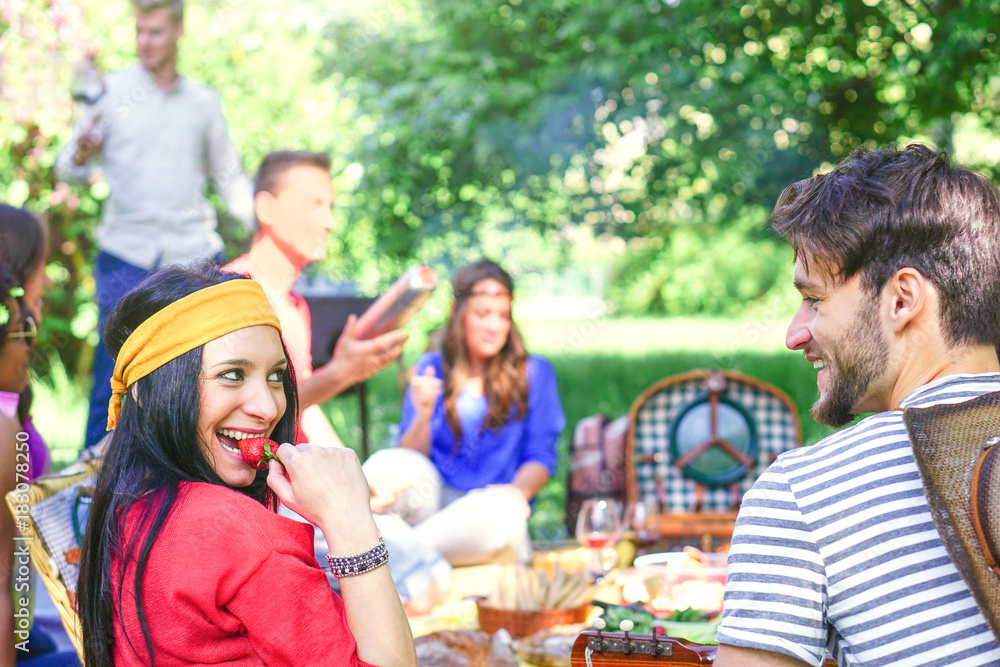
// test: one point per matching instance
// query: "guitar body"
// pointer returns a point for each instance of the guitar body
(614, 649)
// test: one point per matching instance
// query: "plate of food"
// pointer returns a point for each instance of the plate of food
(689, 624)
(685, 579)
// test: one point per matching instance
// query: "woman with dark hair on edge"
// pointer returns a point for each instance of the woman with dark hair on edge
(23, 251)
(478, 431)
(185, 560)
(16, 336)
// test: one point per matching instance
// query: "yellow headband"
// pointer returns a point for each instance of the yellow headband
(184, 325)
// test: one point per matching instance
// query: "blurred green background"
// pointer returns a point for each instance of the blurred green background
(620, 159)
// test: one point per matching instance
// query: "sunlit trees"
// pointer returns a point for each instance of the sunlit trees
(672, 126)
(513, 127)
(259, 57)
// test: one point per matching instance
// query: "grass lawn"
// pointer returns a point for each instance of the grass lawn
(603, 364)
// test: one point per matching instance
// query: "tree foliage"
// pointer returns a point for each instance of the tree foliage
(673, 126)
(514, 128)
(259, 58)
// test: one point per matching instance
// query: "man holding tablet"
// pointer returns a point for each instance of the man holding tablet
(293, 202)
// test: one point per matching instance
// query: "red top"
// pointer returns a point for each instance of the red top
(228, 582)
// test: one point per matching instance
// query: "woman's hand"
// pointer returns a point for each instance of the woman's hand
(423, 394)
(424, 391)
(382, 500)
(326, 485)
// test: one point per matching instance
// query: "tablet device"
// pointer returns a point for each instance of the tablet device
(401, 302)
(329, 316)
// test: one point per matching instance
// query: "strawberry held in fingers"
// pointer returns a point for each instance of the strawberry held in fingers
(258, 451)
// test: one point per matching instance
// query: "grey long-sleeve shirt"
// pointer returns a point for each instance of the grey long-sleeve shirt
(159, 150)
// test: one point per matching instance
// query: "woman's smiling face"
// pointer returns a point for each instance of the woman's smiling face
(487, 320)
(242, 395)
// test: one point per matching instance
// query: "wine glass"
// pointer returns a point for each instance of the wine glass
(640, 522)
(599, 527)
(87, 84)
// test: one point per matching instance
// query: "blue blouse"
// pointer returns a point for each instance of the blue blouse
(488, 456)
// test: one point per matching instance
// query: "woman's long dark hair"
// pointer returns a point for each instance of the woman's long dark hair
(22, 247)
(22, 241)
(505, 383)
(155, 446)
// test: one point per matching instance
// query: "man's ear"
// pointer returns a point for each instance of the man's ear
(908, 292)
(263, 206)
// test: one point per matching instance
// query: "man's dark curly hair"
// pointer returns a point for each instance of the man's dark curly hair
(883, 210)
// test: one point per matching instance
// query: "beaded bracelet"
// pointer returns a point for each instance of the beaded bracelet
(366, 561)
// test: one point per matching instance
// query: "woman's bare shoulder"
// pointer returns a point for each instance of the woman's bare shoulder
(9, 428)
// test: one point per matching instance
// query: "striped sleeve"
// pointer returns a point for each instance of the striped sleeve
(776, 587)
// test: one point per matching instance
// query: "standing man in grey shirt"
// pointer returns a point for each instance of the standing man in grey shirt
(158, 138)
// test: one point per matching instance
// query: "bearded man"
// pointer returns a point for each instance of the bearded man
(898, 264)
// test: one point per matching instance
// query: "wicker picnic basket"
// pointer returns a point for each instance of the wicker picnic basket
(524, 622)
(41, 558)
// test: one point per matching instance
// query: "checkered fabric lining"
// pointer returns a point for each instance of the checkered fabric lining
(776, 432)
(53, 519)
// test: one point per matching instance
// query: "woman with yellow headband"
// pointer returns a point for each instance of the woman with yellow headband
(185, 560)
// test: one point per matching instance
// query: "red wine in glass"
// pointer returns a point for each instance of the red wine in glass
(599, 527)
(596, 540)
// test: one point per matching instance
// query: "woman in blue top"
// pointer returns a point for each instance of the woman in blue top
(478, 431)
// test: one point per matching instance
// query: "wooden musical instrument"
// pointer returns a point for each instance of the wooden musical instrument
(594, 648)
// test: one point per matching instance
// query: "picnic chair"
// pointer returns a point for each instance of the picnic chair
(56, 570)
(696, 442)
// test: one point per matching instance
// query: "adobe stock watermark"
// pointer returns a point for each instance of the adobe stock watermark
(375, 24)
(22, 560)
(753, 333)
(583, 332)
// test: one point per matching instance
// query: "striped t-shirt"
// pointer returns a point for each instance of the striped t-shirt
(835, 550)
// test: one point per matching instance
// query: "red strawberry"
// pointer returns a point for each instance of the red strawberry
(258, 451)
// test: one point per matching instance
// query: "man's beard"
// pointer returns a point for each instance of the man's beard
(854, 363)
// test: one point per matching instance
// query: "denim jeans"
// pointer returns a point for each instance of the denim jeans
(42, 652)
(115, 278)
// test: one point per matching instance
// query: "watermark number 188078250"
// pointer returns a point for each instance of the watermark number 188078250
(22, 570)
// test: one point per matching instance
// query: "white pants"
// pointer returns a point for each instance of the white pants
(480, 526)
